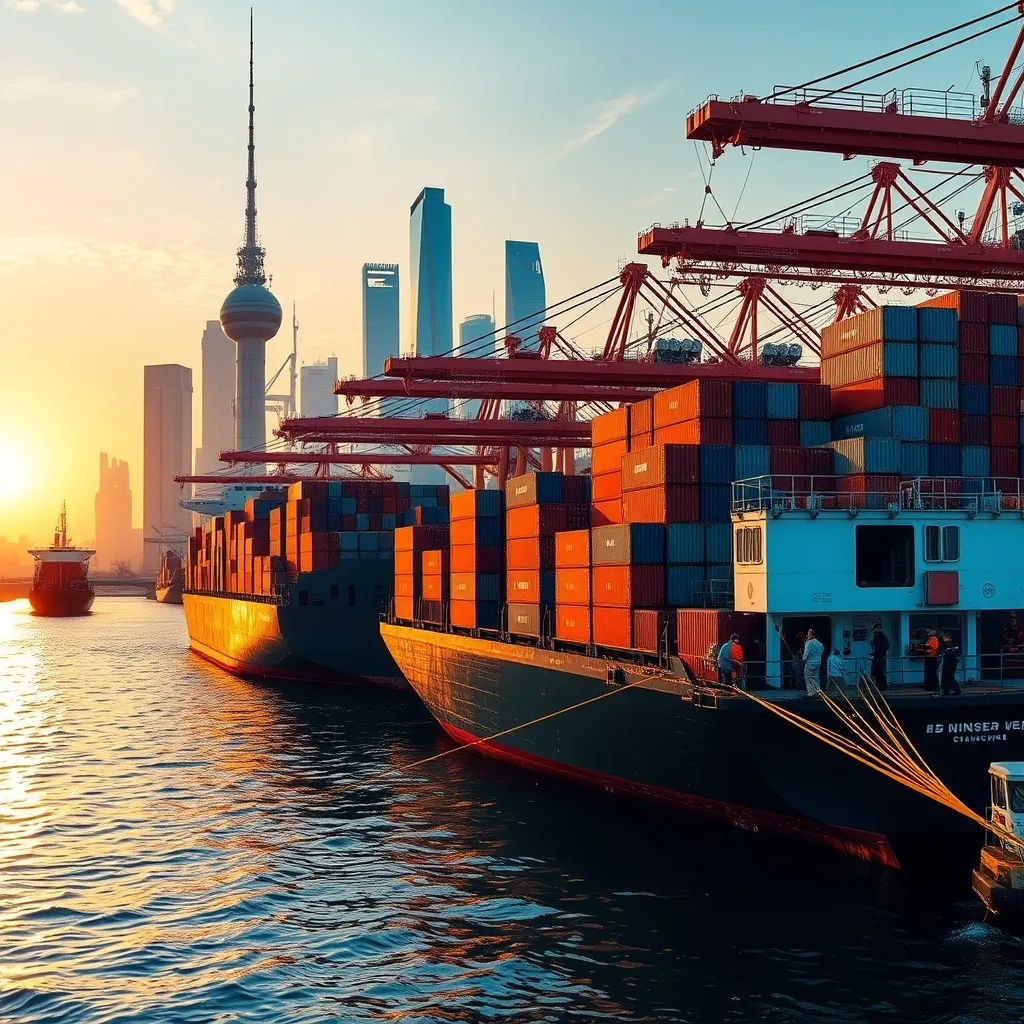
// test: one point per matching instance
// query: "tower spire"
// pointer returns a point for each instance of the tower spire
(251, 254)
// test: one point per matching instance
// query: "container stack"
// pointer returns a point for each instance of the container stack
(435, 572)
(477, 558)
(410, 545)
(572, 587)
(701, 631)
(609, 435)
(537, 507)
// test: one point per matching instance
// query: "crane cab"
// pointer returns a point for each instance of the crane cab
(1006, 782)
(998, 881)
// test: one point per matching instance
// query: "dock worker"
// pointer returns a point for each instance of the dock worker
(931, 662)
(813, 651)
(730, 661)
(950, 657)
(836, 672)
(879, 656)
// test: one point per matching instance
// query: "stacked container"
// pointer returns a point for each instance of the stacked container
(609, 434)
(435, 574)
(572, 587)
(410, 544)
(476, 559)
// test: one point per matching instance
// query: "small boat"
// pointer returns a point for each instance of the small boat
(60, 584)
(170, 583)
(998, 881)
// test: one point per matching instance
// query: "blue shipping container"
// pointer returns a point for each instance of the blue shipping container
(939, 361)
(913, 458)
(748, 431)
(637, 543)
(388, 521)
(783, 401)
(866, 455)
(1002, 371)
(752, 460)
(750, 399)
(684, 544)
(899, 323)
(489, 532)
(814, 433)
(683, 585)
(1002, 340)
(362, 521)
(716, 503)
(718, 542)
(905, 422)
(944, 459)
(937, 325)
(975, 460)
(369, 541)
(899, 359)
(974, 399)
(490, 503)
(349, 541)
(348, 506)
(716, 464)
(939, 394)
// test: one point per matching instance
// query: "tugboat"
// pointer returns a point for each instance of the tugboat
(171, 581)
(60, 585)
(998, 881)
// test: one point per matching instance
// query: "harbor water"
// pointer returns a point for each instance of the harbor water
(180, 845)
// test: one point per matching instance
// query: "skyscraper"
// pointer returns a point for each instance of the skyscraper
(430, 257)
(218, 397)
(380, 316)
(251, 315)
(316, 388)
(166, 452)
(524, 291)
(476, 339)
(114, 540)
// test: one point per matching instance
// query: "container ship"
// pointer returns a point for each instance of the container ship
(60, 583)
(170, 581)
(883, 502)
(292, 586)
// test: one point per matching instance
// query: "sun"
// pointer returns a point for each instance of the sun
(15, 469)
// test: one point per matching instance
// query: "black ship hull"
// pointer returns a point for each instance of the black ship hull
(722, 756)
(59, 603)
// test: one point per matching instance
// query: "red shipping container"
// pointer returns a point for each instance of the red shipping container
(943, 426)
(641, 440)
(819, 462)
(530, 553)
(522, 585)
(1002, 309)
(868, 489)
(1005, 461)
(572, 549)
(661, 464)
(572, 623)
(973, 367)
(606, 486)
(435, 562)
(475, 558)
(788, 460)
(641, 417)
(435, 588)
(815, 402)
(405, 586)
(529, 521)
(572, 586)
(783, 433)
(613, 627)
(1004, 431)
(702, 431)
(605, 513)
(1004, 401)
(607, 458)
(576, 490)
(873, 394)
(696, 399)
(404, 608)
(628, 586)
(974, 430)
(973, 339)
(675, 504)
(701, 631)
(654, 631)
(1020, 342)
(610, 426)
(970, 305)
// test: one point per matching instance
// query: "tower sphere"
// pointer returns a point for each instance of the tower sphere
(250, 311)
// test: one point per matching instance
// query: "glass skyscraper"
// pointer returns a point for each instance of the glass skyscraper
(380, 316)
(524, 291)
(476, 340)
(430, 258)
(316, 388)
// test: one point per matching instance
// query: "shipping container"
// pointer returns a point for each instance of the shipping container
(751, 461)
(975, 460)
(685, 544)
(971, 306)
(1003, 371)
(1004, 461)
(716, 503)
(641, 417)
(604, 513)
(674, 504)
(530, 586)
(888, 323)
(1004, 401)
(654, 631)
(943, 426)
(419, 538)
(572, 586)
(783, 433)
(973, 339)
(974, 399)
(702, 431)
(478, 586)
(881, 359)
(529, 521)
(530, 553)
(1002, 308)
(974, 430)
(1002, 340)
(944, 459)
(684, 585)
(636, 544)
(972, 368)
(572, 549)
(644, 439)
(572, 623)
(939, 394)
(487, 532)
(750, 432)
(661, 464)
(433, 561)
(869, 490)
(716, 464)
(789, 461)
(941, 360)
(815, 402)
(700, 632)
(534, 489)
(704, 399)
(408, 586)
(874, 394)
(913, 458)
(524, 619)
(476, 558)
(435, 588)
(1004, 431)
(474, 614)
(613, 627)
(903, 422)
(432, 610)
(404, 608)
(750, 399)
(866, 455)
(814, 433)
(782, 401)
(607, 458)
(718, 542)
(610, 426)
(607, 486)
(937, 325)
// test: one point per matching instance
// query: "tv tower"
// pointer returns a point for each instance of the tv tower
(250, 315)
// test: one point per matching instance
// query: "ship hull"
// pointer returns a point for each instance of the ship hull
(327, 630)
(727, 758)
(61, 603)
(170, 593)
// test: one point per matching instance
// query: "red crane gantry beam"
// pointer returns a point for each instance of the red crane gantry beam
(244, 478)
(502, 390)
(362, 458)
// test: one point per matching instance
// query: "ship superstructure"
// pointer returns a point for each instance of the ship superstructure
(60, 583)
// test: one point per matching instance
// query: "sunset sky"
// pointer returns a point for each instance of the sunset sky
(562, 121)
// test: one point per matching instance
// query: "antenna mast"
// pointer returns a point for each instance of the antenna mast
(293, 409)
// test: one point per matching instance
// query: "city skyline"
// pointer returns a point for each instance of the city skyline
(316, 388)
(218, 397)
(525, 296)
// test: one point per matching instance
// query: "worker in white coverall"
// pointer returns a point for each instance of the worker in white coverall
(813, 651)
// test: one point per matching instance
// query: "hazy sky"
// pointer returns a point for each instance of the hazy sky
(121, 181)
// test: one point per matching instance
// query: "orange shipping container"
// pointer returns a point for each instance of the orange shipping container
(536, 521)
(435, 588)
(572, 623)
(702, 431)
(405, 586)
(572, 586)
(572, 549)
(661, 464)
(678, 504)
(692, 400)
(628, 586)
(522, 585)
(641, 417)
(607, 458)
(606, 486)
(475, 558)
(530, 553)
(604, 513)
(404, 608)
(404, 563)
(613, 627)
(610, 426)
(474, 531)
(435, 561)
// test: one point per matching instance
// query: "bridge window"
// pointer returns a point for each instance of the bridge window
(885, 556)
(748, 545)
(942, 543)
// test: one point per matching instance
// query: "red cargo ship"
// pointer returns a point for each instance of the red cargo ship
(61, 585)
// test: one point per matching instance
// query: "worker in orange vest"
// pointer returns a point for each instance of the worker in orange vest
(931, 662)
(730, 662)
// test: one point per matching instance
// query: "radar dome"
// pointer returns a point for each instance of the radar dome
(250, 311)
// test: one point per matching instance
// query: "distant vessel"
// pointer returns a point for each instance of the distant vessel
(171, 580)
(60, 585)
(230, 499)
